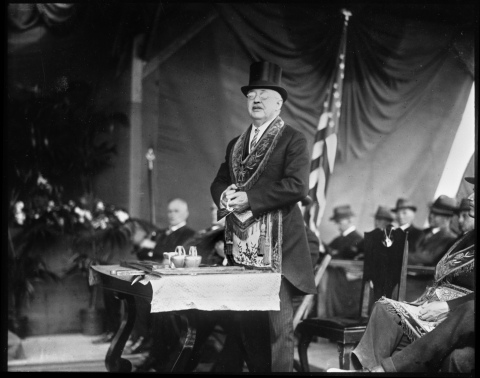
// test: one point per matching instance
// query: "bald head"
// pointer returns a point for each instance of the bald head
(177, 211)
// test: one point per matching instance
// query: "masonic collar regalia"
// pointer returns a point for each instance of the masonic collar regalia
(254, 242)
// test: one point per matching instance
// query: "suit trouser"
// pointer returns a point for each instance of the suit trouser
(449, 345)
(265, 340)
(385, 344)
(459, 361)
(281, 330)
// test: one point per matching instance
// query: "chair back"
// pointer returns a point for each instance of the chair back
(385, 267)
(306, 305)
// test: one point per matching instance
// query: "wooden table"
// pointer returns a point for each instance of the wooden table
(128, 292)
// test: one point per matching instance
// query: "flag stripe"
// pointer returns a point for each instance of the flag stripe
(325, 141)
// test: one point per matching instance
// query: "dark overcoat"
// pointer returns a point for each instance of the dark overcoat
(282, 184)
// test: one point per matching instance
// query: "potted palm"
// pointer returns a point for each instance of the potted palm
(58, 143)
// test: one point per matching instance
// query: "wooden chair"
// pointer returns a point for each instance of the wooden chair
(384, 274)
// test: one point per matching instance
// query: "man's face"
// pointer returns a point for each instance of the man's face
(343, 223)
(465, 221)
(438, 220)
(177, 212)
(471, 198)
(263, 104)
(381, 222)
(405, 216)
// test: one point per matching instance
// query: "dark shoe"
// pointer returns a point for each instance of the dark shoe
(140, 346)
(105, 338)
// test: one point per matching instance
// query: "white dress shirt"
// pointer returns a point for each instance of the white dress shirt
(260, 132)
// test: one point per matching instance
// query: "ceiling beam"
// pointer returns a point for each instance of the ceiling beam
(178, 43)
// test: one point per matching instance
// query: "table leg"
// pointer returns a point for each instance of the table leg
(181, 353)
(113, 360)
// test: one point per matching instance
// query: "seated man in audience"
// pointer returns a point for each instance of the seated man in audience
(434, 241)
(404, 215)
(210, 241)
(465, 222)
(149, 326)
(382, 218)
(439, 332)
(344, 246)
(343, 286)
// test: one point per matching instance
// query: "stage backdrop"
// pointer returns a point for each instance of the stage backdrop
(407, 80)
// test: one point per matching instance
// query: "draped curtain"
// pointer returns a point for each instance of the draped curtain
(407, 80)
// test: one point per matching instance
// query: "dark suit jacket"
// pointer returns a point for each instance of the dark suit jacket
(414, 234)
(167, 243)
(282, 184)
(313, 246)
(430, 248)
(346, 247)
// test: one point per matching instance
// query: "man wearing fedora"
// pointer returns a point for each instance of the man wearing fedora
(383, 217)
(436, 239)
(465, 221)
(432, 244)
(264, 175)
(344, 246)
(405, 214)
(343, 285)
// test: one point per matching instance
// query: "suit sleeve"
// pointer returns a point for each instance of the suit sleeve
(291, 188)
(222, 179)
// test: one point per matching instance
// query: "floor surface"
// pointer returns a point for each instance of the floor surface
(76, 353)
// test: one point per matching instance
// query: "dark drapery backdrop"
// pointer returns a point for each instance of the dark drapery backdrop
(407, 80)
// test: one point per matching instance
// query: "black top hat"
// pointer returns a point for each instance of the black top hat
(464, 205)
(341, 212)
(383, 212)
(403, 203)
(471, 180)
(444, 205)
(266, 75)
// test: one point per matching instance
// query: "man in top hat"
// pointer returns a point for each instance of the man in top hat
(438, 238)
(264, 175)
(465, 221)
(405, 214)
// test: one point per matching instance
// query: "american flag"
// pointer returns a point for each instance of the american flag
(325, 144)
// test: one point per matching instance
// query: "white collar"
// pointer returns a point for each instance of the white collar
(263, 127)
(261, 130)
(177, 226)
(435, 230)
(349, 230)
(405, 226)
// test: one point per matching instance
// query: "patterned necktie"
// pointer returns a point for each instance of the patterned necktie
(254, 140)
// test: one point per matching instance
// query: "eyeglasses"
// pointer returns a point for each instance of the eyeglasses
(262, 96)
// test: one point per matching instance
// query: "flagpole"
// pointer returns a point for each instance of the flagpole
(325, 143)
